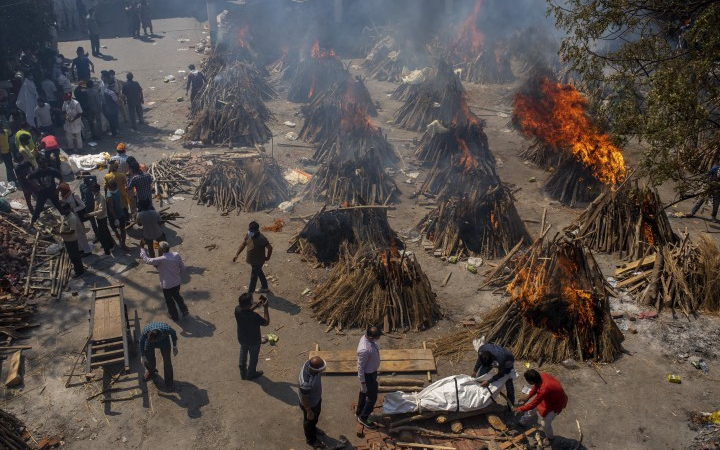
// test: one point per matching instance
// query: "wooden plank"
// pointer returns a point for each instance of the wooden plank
(634, 264)
(107, 287)
(385, 355)
(108, 320)
(410, 365)
(107, 362)
(13, 376)
(633, 279)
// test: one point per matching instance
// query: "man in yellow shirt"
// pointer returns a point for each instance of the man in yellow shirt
(5, 153)
(24, 131)
(121, 180)
(26, 152)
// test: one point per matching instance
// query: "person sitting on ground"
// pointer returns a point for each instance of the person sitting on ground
(491, 355)
(550, 399)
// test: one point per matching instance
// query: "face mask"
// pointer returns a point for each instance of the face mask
(112, 192)
(250, 233)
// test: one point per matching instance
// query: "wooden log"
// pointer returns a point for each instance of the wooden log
(14, 376)
(431, 446)
(400, 381)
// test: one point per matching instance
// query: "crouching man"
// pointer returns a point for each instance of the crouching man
(550, 400)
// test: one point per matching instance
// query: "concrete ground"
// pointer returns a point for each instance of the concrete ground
(627, 404)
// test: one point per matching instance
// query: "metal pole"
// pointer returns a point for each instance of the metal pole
(212, 20)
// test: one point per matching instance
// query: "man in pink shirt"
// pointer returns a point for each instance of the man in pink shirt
(170, 267)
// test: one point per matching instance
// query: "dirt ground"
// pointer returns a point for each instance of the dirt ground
(628, 404)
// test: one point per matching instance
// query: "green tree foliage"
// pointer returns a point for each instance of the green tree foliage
(652, 70)
(23, 24)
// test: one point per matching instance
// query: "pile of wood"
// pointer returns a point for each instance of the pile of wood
(373, 287)
(242, 183)
(558, 309)
(491, 65)
(16, 247)
(544, 155)
(315, 74)
(47, 272)
(325, 113)
(170, 178)
(230, 110)
(391, 57)
(630, 220)
(354, 139)
(440, 97)
(226, 54)
(329, 230)
(361, 181)
(683, 276)
(483, 222)
(573, 183)
(15, 316)
(13, 433)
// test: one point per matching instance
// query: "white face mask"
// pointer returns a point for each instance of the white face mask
(250, 233)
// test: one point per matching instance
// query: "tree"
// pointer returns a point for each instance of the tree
(23, 24)
(651, 68)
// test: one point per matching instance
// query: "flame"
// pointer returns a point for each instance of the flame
(241, 36)
(467, 160)
(557, 116)
(469, 40)
(312, 89)
(318, 53)
(353, 117)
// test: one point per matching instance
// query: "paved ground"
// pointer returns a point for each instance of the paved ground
(627, 405)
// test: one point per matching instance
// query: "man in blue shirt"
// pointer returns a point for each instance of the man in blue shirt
(82, 65)
(158, 335)
(310, 394)
(713, 191)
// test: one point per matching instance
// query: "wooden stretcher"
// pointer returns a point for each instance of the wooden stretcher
(399, 360)
(110, 339)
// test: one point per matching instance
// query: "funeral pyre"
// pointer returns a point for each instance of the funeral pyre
(392, 57)
(630, 220)
(558, 309)
(242, 182)
(684, 276)
(329, 230)
(584, 159)
(314, 74)
(376, 286)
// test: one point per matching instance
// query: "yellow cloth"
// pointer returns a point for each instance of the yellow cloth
(31, 144)
(28, 155)
(121, 181)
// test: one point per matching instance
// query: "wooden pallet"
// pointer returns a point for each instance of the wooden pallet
(403, 360)
(109, 329)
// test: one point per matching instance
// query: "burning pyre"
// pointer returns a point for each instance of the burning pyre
(315, 74)
(391, 57)
(242, 184)
(381, 286)
(558, 309)
(556, 117)
(327, 231)
(630, 220)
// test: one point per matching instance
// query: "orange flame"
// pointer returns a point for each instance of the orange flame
(470, 40)
(558, 117)
(467, 159)
(241, 35)
(318, 53)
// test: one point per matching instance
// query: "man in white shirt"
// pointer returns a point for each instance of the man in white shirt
(43, 117)
(49, 90)
(68, 233)
(73, 123)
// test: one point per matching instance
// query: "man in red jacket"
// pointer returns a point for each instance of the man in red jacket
(549, 399)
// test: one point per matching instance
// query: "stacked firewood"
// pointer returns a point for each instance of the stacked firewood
(242, 184)
(483, 222)
(231, 110)
(15, 315)
(353, 140)
(13, 434)
(170, 178)
(681, 276)
(15, 251)
(314, 74)
(558, 309)
(573, 183)
(372, 287)
(630, 220)
(327, 231)
(324, 114)
(544, 155)
(361, 181)
(389, 58)
(440, 97)
(491, 65)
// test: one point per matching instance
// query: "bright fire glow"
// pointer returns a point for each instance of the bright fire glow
(469, 40)
(557, 115)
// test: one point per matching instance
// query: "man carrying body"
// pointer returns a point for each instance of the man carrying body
(550, 399)
(368, 363)
(158, 335)
(170, 268)
(256, 244)
(491, 355)
(248, 333)
(310, 393)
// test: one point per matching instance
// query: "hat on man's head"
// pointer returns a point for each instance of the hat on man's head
(120, 147)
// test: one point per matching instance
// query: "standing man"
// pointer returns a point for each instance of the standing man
(248, 333)
(151, 223)
(110, 109)
(121, 159)
(170, 268)
(49, 145)
(43, 117)
(491, 355)
(93, 113)
(100, 215)
(256, 244)
(134, 97)
(550, 399)
(195, 82)
(158, 335)
(368, 354)
(78, 207)
(5, 153)
(73, 123)
(68, 233)
(145, 17)
(45, 177)
(25, 152)
(93, 32)
(310, 393)
(713, 191)
(82, 65)
(117, 214)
